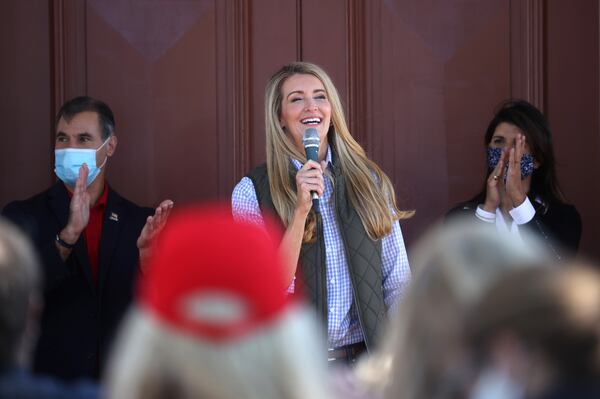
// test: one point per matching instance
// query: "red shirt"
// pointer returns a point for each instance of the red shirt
(93, 231)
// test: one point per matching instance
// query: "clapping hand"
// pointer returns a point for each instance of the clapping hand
(154, 224)
(516, 187)
(495, 185)
(79, 208)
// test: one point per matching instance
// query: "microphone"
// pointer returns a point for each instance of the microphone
(311, 141)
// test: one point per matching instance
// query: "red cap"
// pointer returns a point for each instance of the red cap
(212, 277)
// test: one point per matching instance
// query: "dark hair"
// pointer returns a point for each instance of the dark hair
(534, 125)
(81, 104)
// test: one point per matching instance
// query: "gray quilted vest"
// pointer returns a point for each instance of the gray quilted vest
(362, 254)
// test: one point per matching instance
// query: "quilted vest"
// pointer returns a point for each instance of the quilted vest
(363, 256)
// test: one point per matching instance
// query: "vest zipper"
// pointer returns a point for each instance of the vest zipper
(352, 280)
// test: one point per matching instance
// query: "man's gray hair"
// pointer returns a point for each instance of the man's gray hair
(19, 283)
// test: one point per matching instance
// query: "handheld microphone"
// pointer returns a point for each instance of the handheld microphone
(311, 142)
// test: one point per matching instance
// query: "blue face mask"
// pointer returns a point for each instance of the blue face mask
(494, 155)
(67, 162)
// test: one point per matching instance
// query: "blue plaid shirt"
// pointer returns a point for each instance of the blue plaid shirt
(343, 324)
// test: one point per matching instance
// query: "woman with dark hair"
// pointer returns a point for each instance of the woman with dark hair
(521, 190)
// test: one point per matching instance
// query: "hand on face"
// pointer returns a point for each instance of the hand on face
(516, 187)
(308, 179)
(495, 185)
(505, 185)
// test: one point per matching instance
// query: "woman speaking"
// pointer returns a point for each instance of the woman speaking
(348, 257)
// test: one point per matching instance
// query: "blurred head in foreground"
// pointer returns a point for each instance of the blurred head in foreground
(423, 355)
(212, 319)
(20, 297)
(536, 334)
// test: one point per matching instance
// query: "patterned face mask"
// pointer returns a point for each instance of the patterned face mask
(493, 157)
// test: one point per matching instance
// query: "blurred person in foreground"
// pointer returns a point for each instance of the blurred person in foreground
(521, 190)
(212, 319)
(423, 355)
(20, 307)
(536, 335)
(347, 254)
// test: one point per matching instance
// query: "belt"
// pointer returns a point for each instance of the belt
(347, 353)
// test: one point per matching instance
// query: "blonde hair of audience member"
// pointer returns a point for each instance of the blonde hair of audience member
(370, 197)
(538, 329)
(19, 296)
(232, 332)
(155, 362)
(422, 356)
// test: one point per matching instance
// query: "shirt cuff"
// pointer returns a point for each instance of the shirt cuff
(485, 216)
(292, 287)
(523, 213)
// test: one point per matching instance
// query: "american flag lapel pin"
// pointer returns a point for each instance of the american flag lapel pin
(114, 216)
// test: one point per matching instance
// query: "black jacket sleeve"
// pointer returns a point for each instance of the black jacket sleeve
(559, 227)
(43, 238)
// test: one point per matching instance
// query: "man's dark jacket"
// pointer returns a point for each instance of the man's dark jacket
(80, 318)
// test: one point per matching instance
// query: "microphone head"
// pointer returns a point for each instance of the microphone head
(311, 137)
(311, 140)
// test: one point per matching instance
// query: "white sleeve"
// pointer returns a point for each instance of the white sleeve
(485, 216)
(523, 213)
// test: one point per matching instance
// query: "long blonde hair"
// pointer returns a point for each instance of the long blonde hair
(369, 189)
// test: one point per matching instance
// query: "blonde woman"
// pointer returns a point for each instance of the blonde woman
(349, 258)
